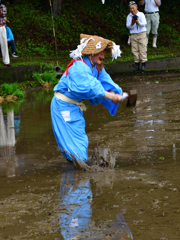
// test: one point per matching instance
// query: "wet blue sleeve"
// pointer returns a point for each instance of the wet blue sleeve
(82, 84)
(108, 85)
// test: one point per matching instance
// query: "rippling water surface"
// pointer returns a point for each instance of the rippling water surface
(43, 197)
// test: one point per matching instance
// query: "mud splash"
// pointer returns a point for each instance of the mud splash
(101, 160)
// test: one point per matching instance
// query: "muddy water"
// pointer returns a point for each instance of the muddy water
(43, 197)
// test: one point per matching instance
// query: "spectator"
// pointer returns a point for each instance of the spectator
(3, 36)
(152, 17)
(11, 42)
(136, 23)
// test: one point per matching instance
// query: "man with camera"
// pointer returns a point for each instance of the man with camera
(136, 23)
(3, 36)
(152, 17)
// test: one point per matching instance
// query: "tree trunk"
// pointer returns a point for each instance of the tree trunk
(57, 7)
(113, 3)
(123, 2)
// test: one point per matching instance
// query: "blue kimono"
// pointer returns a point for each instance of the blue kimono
(81, 82)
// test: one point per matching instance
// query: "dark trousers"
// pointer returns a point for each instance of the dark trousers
(12, 45)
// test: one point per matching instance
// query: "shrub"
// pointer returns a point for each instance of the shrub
(18, 93)
(48, 76)
(46, 79)
(8, 89)
(38, 78)
(11, 90)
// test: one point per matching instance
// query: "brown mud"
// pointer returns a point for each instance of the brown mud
(44, 197)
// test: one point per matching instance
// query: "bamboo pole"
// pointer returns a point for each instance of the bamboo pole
(54, 34)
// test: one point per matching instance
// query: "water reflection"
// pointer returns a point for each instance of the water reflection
(76, 197)
(174, 152)
(9, 160)
(75, 200)
(149, 122)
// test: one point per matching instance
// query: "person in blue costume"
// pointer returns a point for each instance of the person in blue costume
(84, 78)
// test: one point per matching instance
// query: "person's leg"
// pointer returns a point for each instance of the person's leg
(13, 48)
(155, 26)
(135, 50)
(4, 46)
(148, 27)
(69, 130)
(143, 49)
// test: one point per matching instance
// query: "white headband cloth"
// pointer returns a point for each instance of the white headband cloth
(77, 53)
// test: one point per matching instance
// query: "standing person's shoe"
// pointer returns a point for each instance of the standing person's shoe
(15, 55)
(7, 65)
(137, 66)
(143, 66)
(154, 41)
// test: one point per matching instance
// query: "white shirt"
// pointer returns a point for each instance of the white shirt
(150, 6)
(136, 28)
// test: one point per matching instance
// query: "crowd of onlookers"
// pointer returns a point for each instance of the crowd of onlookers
(138, 23)
(6, 36)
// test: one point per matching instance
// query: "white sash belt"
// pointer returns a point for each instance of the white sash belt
(61, 96)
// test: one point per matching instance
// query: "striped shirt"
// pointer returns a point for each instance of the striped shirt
(4, 10)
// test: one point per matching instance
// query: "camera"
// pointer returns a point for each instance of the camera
(135, 17)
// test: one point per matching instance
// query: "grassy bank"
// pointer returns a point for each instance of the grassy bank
(32, 27)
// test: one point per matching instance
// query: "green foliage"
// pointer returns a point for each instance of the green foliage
(38, 78)
(47, 67)
(46, 78)
(18, 93)
(11, 89)
(8, 89)
(33, 28)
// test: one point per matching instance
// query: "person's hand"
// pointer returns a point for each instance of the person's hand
(137, 21)
(117, 98)
(1, 13)
(133, 22)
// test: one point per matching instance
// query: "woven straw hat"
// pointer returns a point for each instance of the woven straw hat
(95, 44)
(92, 44)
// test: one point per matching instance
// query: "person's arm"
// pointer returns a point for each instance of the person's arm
(142, 21)
(129, 22)
(116, 98)
(141, 2)
(157, 3)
